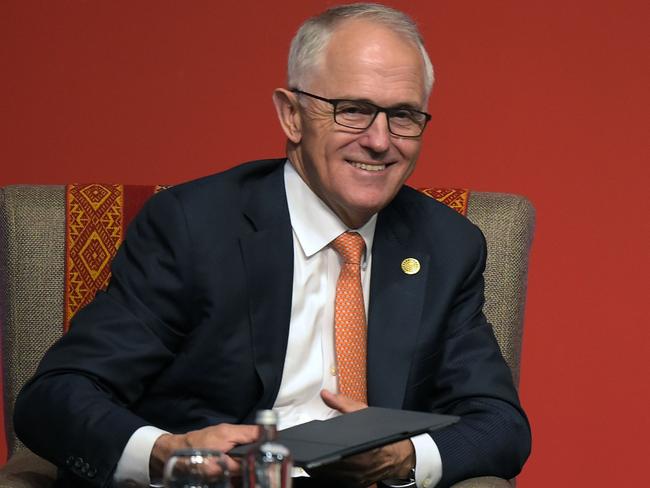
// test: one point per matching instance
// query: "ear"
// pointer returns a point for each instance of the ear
(286, 105)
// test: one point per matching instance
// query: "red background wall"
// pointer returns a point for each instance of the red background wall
(544, 98)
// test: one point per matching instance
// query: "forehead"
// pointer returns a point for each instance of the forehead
(369, 61)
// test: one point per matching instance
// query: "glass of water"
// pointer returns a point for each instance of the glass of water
(196, 468)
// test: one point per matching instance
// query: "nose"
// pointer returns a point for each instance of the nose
(377, 136)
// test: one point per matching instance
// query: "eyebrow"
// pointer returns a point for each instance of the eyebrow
(406, 105)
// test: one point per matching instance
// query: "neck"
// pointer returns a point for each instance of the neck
(351, 219)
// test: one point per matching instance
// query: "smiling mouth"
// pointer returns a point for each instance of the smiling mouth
(368, 167)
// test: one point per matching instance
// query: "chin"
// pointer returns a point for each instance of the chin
(373, 201)
(366, 208)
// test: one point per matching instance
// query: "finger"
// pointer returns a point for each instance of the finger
(229, 435)
(340, 402)
(222, 437)
(233, 465)
(243, 434)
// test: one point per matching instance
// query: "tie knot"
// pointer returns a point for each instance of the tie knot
(350, 245)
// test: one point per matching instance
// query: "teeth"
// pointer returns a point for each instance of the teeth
(368, 167)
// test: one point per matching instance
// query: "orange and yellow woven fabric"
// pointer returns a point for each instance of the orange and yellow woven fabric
(455, 198)
(97, 216)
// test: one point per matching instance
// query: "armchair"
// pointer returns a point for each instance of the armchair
(35, 296)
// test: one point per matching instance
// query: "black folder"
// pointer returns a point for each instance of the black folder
(320, 442)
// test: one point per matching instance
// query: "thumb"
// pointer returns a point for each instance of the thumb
(340, 402)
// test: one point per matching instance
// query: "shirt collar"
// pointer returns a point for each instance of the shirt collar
(314, 223)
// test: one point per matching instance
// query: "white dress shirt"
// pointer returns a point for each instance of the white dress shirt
(310, 362)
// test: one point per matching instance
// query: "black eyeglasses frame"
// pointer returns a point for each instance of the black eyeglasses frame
(378, 109)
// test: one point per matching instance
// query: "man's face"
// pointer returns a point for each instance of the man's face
(358, 172)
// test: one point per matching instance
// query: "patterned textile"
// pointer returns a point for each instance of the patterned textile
(455, 198)
(97, 216)
(350, 318)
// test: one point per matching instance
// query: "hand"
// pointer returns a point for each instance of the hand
(222, 437)
(362, 470)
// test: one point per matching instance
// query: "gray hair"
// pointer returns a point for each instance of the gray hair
(312, 38)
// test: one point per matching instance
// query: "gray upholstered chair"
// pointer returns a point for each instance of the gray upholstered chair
(32, 251)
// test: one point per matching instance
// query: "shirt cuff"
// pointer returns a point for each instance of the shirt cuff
(428, 464)
(133, 465)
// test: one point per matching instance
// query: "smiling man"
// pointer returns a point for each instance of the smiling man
(277, 284)
(353, 154)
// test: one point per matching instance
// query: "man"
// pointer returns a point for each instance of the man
(222, 296)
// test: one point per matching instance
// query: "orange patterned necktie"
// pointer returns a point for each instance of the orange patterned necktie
(350, 318)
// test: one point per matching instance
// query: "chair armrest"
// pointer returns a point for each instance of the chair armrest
(483, 482)
(27, 470)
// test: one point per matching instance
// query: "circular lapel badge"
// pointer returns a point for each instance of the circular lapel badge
(410, 266)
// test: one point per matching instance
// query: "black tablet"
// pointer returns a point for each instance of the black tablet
(320, 442)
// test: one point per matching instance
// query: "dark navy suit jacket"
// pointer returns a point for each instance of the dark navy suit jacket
(192, 330)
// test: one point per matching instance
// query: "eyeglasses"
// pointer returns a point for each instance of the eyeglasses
(358, 114)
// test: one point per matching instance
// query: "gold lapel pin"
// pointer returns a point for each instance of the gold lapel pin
(411, 266)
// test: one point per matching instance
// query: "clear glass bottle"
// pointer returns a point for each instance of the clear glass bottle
(267, 463)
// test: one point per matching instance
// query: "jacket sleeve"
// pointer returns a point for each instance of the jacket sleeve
(474, 382)
(74, 411)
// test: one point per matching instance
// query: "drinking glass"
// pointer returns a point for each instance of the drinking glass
(196, 468)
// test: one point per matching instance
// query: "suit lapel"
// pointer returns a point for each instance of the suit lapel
(396, 301)
(268, 260)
